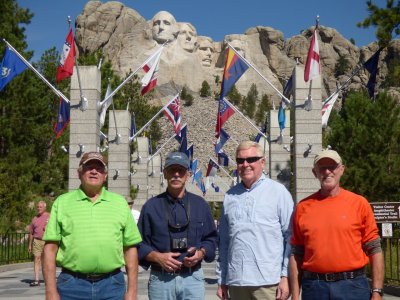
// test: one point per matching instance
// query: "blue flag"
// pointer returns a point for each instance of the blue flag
(198, 177)
(182, 140)
(11, 66)
(189, 153)
(223, 159)
(193, 168)
(133, 125)
(281, 117)
(222, 139)
(259, 135)
(62, 117)
(372, 67)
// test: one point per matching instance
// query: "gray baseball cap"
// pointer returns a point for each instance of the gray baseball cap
(177, 158)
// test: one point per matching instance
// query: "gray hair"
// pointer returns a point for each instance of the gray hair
(250, 144)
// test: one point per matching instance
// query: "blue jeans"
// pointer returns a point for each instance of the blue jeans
(168, 286)
(72, 288)
(348, 289)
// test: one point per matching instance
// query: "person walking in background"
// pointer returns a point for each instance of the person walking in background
(254, 233)
(36, 244)
(178, 233)
(334, 237)
(91, 234)
(135, 212)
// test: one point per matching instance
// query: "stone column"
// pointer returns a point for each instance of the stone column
(154, 177)
(84, 125)
(307, 134)
(118, 153)
(279, 155)
(139, 180)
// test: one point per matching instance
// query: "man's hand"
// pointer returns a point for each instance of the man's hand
(168, 262)
(282, 291)
(193, 258)
(222, 292)
(30, 248)
(52, 295)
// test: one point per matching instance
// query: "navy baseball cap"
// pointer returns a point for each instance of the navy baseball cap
(177, 158)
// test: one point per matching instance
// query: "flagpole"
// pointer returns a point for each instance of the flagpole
(163, 145)
(83, 100)
(247, 119)
(133, 73)
(308, 103)
(58, 93)
(221, 168)
(152, 119)
(258, 72)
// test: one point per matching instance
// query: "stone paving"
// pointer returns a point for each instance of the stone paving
(15, 279)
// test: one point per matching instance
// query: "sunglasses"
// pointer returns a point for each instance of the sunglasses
(250, 160)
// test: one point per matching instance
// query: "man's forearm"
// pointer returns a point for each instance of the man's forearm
(49, 268)
(295, 275)
(131, 267)
(377, 268)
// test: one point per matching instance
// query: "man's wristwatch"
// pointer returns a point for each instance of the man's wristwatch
(379, 291)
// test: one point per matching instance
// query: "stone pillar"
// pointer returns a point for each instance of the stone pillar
(279, 155)
(118, 153)
(307, 134)
(155, 177)
(84, 125)
(139, 180)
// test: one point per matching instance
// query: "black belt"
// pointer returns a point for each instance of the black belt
(333, 276)
(182, 270)
(91, 277)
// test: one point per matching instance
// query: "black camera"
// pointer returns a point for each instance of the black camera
(179, 244)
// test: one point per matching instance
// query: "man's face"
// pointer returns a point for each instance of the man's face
(93, 175)
(163, 27)
(176, 177)
(250, 172)
(41, 208)
(206, 49)
(187, 38)
(328, 172)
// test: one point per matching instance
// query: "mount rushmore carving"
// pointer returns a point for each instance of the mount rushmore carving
(127, 40)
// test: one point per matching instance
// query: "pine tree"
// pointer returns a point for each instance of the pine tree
(234, 96)
(262, 109)
(249, 106)
(205, 90)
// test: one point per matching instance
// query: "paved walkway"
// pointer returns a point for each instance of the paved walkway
(14, 284)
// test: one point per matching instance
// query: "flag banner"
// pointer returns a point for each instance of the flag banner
(215, 187)
(259, 135)
(313, 67)
(11, 66)
(172, 112)
(281, 117)
(150, 146)
(193, 167)
(182, 139)
(105, 106)
(287, 91)
(371, 65)
(67, 59)
(62, 118)
(133, 125)
(198, 178)
(234, 68)
(149, 80)
(189, 153)
(222, 139)
(223, 159)
(327, 108)
(212, 168)
(225, 111)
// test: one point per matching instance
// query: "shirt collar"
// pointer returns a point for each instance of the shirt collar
(255, 184)
(102, 197)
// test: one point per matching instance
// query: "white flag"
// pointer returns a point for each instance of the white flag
(313, 67)
(149, 80)
(327, 108)
(105, 105)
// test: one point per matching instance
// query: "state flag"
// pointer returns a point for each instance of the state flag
(11, 66)
(67, 59)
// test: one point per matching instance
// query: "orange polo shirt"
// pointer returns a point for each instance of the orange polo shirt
(332, 231)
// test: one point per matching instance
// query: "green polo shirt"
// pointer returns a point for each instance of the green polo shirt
(91, 235)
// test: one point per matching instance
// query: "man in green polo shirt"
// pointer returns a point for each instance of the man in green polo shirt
(91, 234)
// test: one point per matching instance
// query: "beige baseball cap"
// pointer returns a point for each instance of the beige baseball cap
(332, 154)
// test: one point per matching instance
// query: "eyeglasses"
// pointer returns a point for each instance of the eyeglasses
(329, 168)
(250, 160)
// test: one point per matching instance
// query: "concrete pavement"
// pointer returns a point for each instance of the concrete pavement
(15, 279)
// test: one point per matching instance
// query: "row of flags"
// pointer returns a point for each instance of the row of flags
(235, 67)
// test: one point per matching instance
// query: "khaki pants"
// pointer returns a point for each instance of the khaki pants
(37, 247)
(266, 292)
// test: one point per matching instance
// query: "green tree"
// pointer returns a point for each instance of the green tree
(367, 135)
(186, 96)
(342, 65)
(263, 108)
(205, 90)
(393, 77)
(386, 20)
(234, 96)
(249, 105)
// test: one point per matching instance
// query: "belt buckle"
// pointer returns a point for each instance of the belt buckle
(330, 277)
(93, 276)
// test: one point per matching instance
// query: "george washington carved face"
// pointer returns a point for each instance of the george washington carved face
(164, 27)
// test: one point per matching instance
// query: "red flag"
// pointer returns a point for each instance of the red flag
(225, 111)
(313, 67)
(67, 60)
(149, 81)
(172, 112)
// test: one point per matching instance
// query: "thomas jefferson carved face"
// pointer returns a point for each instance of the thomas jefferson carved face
(206, 49)
(187, 37)
(164, 27)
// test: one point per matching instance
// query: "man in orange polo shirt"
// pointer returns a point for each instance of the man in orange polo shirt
(334, 237)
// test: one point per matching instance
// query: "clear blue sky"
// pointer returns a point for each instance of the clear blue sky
(213, 18)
